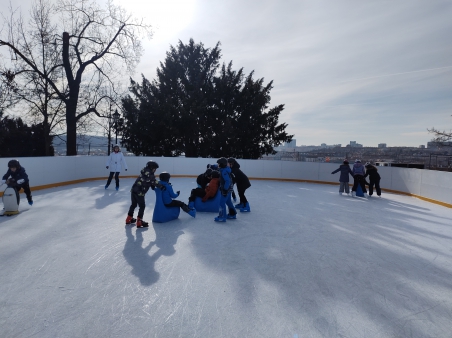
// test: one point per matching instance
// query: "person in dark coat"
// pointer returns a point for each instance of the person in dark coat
(204, 179)
(242, 182)
(17, 178)
(345, 170)
(374, 179)
(139, 189)
(358, 174)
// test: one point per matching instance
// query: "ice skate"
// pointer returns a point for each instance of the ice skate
(130, 220)
(141, 223)
(246, 208)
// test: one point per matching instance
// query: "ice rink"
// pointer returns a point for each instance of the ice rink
(305, 262)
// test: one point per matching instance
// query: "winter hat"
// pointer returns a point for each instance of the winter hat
(357, 161)
(345, 161)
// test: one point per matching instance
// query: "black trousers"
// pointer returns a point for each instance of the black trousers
(26, 188)
(137, 200)
(176, 203)
(377, 187)
(198, 192)
(241, 193)
(111, 177)
(361, 181)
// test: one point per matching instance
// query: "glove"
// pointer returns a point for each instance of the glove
(3, 182)
(178, 192)
(107, 166)
(20, 181)
(126, 169)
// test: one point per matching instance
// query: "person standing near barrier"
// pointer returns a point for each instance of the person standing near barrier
(358, 174)
(345, 170)
(374, 179)
(115, 162)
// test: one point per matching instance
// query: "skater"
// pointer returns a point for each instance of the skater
(374, 179)
(242, 182)
(209, 192)
(226, 187)
(204, 178)
(168, 194)
(114, 162)
(17, 178)
(139, 189)
(345, 170)
(358, 175)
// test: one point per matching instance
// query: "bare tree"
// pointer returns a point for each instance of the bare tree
(95, 46)
(441, 138)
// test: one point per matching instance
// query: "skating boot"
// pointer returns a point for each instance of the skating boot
(239, 206)
(246, 208)
(117, 188)
(365, 195)
(30, 200)
(231, 217)
(191, 212)
(340, 193)
(220, 219)
(141, 223)
(191, 205)
(130, 220)
(353, 194)
(106, 186)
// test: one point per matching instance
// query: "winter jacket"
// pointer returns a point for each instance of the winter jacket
(373, 174)
(358, 169)
(145, 181)
(202, 181)
(114, 162)
(345, 170)
(17, 175)
(226, 184)
(239, 178)
(167, 192)
(211, 189)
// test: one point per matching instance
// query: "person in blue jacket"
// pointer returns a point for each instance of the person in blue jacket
(17, 178)
(226, 188)
(168, 194)
(345, 170)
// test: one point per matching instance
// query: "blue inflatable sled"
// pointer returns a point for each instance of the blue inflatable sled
(359, 191)
(211, 205)
(162, 213)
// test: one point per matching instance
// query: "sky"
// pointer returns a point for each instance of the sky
(367, 71)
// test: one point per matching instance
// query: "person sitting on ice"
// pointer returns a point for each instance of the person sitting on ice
(168, 195)
(204, 179)
(209, 192)
(17, 178)
(345, 170)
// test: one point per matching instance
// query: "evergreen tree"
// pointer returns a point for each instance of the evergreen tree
(197, 108)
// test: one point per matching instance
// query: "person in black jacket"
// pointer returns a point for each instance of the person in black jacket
(17, 178)
(204, 179)
(374, 179)
(242, 182)
(345, 170)
(139, 189)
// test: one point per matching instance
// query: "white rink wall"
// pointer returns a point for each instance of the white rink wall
(44, 171)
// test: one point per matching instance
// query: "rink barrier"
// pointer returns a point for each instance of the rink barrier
(49, 172)
(60, 184)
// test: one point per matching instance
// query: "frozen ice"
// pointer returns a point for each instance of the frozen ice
(305, 262)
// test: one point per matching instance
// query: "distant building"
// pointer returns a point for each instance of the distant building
(291, 144)
(353, 144)
(381, 145)
(422, 146)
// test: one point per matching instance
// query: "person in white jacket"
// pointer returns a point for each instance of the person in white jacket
(115, 162)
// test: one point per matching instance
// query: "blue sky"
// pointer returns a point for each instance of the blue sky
(369, 71)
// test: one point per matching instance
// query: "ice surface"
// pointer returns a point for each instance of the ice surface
(305, 262)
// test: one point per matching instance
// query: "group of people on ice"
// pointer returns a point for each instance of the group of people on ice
(359, 172)
(221, 176)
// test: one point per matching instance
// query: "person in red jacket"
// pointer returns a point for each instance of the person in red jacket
(209, 192)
